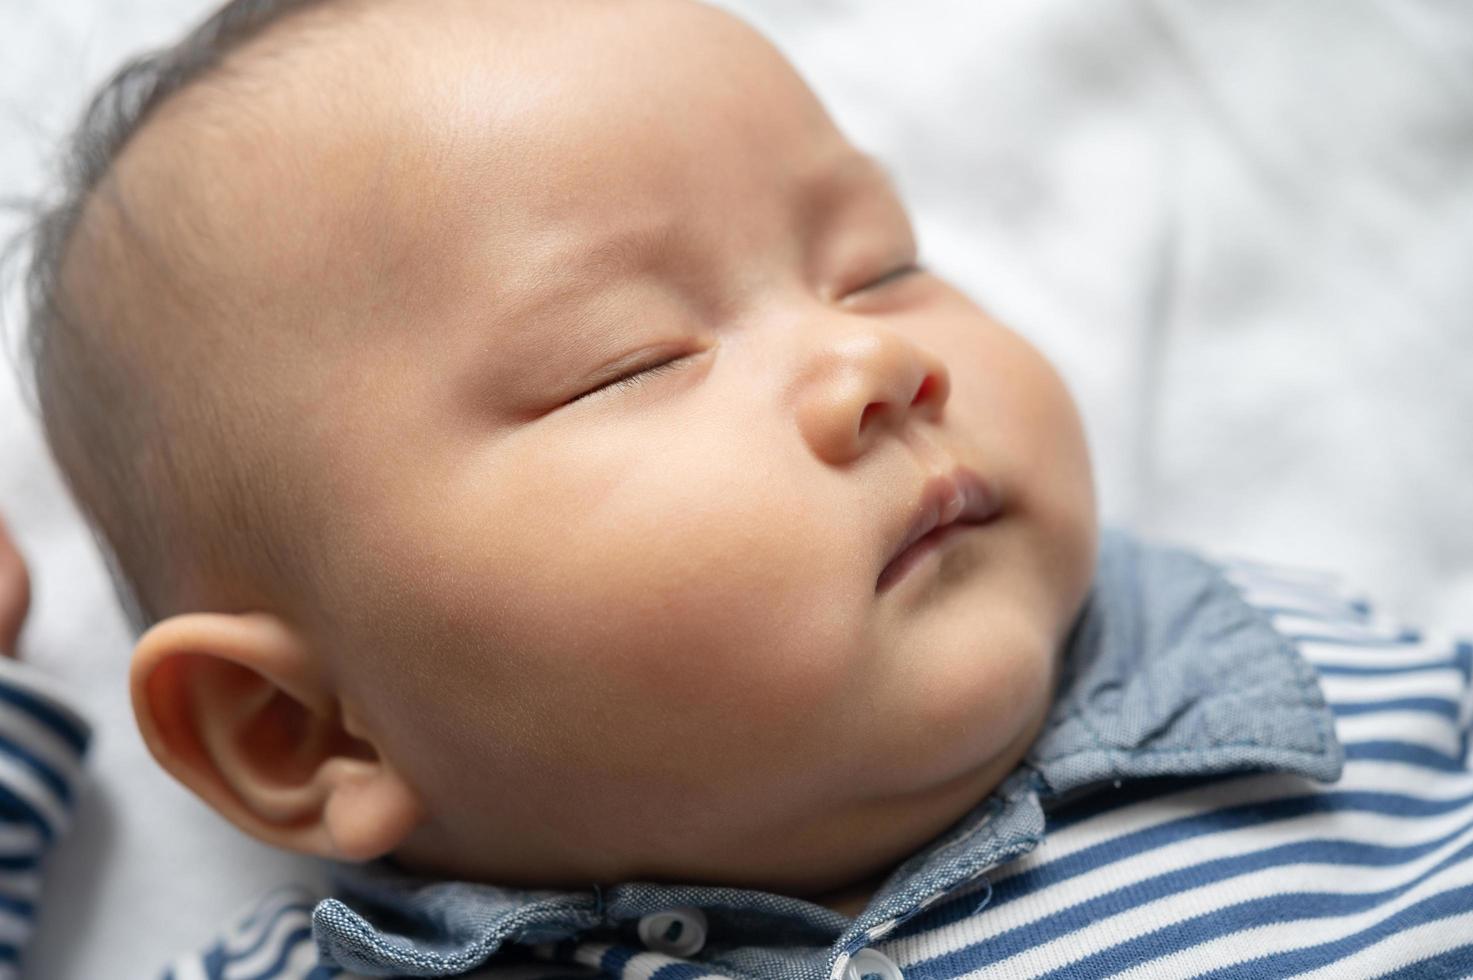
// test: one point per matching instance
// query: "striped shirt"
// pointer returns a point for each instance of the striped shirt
(1247, 772)
(43, 742)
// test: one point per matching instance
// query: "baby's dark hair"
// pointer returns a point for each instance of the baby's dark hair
(151, 469)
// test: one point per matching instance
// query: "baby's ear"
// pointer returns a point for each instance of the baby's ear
(237, 708)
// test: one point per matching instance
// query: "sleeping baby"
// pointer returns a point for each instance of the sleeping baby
(548, 488)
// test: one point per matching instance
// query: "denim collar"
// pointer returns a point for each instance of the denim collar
(1167, 671)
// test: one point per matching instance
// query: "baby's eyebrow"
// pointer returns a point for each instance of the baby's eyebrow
(643, 246)
(639, 247)
(852, 169)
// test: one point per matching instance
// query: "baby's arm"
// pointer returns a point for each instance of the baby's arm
(43, 740)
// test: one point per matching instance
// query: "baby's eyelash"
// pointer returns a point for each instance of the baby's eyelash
(634, 379)
(893, 274)
(644, 374)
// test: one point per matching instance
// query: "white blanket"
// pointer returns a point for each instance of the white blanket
(1243, 232)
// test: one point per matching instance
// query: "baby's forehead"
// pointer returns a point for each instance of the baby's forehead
(354, 151)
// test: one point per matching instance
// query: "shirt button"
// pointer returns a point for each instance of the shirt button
(675, 932)
(868, 964)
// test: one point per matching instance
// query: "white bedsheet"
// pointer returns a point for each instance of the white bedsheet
(1243, 232)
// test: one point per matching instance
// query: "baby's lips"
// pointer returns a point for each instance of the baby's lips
(958, 495)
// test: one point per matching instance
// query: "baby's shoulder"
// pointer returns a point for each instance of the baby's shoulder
(1401, 693)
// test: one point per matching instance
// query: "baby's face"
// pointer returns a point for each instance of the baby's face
(616, 631)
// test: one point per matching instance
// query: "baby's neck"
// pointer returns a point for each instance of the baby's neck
(852, 899)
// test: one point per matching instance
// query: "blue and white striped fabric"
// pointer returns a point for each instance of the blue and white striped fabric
(43, 741)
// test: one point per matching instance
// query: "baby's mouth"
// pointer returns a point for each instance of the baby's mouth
(948, 504)
(917, 552)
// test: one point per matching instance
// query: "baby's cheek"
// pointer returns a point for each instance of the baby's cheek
(721, 638)
(739, 607)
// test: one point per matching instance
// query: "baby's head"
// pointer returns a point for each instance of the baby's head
(502, 414)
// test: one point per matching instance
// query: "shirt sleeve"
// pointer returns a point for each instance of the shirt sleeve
(43, 741)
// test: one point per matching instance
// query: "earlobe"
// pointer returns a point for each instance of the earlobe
(239, 710)
(371, 811)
